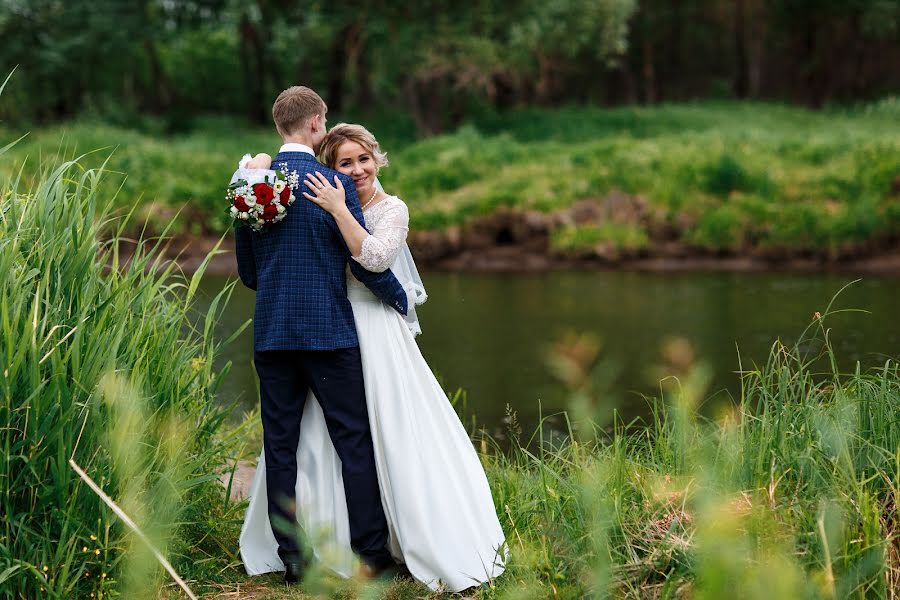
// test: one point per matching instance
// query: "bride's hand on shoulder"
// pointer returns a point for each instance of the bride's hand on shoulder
(260, 161)
(330, 197)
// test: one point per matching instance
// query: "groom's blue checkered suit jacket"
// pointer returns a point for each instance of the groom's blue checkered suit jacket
(297, 268)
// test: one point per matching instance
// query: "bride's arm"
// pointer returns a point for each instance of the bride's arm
(379, 250)
(376, 251)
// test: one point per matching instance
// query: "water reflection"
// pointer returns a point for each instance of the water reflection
(490, 333)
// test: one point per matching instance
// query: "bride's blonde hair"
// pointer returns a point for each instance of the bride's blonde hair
(350, 132)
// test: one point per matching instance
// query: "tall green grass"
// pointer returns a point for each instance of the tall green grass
(790, 494)
(101, 361)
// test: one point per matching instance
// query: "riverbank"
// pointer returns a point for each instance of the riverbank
(590, 184)
(520, 241)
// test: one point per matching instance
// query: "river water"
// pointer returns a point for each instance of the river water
(490, 334)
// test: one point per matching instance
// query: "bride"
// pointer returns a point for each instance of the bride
(435, 494)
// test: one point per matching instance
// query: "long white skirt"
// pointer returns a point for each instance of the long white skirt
(435, 494)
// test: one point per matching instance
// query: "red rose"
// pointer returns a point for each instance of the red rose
(285, 196)
(240, 204)
(264, 193)
(270, 212)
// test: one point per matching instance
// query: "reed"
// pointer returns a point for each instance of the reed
(101, 362)
(790, 495)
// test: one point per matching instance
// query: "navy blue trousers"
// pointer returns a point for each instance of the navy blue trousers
(335, 376)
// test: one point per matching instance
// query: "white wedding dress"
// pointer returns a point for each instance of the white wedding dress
(436, 497)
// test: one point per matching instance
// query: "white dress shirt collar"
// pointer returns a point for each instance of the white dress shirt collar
(295, 147)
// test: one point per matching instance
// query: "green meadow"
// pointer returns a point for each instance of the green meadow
(723, 176)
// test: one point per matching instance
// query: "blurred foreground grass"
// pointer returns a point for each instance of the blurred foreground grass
(102, 363)
(725, 176)
(791, 494)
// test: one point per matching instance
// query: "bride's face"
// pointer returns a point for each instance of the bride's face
(357, 161)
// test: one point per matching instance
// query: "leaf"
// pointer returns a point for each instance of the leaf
(11, 144)
(8, 78)
(198, 275)
(5, 575)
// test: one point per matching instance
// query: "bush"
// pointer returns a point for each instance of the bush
(801, 226)
(855, 223)
(726, 175)
(720, 228)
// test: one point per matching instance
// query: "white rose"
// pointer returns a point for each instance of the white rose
(244, 216)
(280, 208)
(279, 186)
(250, 200)
(234, 211)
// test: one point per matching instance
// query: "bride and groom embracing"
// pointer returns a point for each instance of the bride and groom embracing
(361, 447)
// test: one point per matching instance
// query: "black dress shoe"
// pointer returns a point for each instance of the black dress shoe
(293, 572)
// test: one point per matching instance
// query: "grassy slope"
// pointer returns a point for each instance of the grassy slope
(729, 174)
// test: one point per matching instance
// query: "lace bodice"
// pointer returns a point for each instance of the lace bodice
(387, 223)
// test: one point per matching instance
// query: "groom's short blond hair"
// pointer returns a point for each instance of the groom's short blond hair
(294, 107)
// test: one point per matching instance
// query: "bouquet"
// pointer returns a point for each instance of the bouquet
(259, 197)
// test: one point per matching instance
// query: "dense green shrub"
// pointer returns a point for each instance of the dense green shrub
(725, 175)
(720, 228)
(799, 225)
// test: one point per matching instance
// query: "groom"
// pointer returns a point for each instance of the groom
(305, 339)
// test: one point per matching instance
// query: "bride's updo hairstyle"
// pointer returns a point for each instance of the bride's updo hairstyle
(349, 132)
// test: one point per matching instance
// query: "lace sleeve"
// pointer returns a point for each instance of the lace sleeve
(388, 227)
